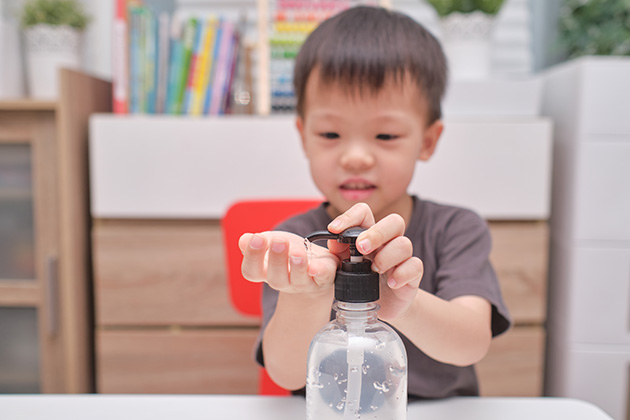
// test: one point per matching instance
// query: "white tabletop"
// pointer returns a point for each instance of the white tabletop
(250, 407)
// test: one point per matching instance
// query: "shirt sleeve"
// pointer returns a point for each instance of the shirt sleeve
(464, 267)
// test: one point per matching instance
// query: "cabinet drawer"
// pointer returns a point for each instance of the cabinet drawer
(161, 273)
(519, 256)
(177, 361)
(514, 365)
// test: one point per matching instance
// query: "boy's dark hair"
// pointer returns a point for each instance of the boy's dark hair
(363, 46)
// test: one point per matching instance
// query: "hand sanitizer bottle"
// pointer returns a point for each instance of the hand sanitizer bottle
(357, 365)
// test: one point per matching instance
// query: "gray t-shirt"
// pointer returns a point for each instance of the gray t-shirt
(454, 244)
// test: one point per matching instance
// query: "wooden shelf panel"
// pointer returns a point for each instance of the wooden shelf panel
(161, 273)
(514, 365)
(216, 361)
(20, 104)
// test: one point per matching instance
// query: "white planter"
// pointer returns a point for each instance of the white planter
(49, 48)
(466, 38)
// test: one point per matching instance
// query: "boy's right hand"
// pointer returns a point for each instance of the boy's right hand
(280, 259)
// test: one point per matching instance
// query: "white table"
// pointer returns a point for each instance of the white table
(250, 407)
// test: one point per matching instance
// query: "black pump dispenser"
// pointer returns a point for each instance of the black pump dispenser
(355, 282)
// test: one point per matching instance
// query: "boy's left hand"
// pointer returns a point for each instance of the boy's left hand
(392, 257)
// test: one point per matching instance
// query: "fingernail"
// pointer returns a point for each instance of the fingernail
(295, 260)
(278, 247)
(312, 272)
(375, 268)
(391, 283)
(365, 246)
(335, 224)
(256, 242)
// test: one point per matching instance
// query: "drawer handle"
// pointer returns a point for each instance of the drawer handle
(52, 295)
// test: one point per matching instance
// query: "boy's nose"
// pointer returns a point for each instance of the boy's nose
(357, 157)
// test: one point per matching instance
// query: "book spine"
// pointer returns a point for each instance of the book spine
(150, 63)
(213, 68)
(134, 55)
(194, 65)
(205, 58)
(120, 59)
(222, 68)
(188, 41)
(175, 65)
(163, 61)
(227, 87)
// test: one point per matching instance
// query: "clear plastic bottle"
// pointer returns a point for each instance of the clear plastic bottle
(357, 365)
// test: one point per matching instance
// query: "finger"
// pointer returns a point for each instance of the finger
(409, 273)
(358, 215)
(392, 254)
(322, 270)
(379, 234)
(278, 263)
(254, 248)
(298, 270)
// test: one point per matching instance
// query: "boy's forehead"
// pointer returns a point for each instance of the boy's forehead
(318, 88)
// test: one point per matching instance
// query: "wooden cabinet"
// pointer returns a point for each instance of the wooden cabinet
(45, 313)
(165, 324)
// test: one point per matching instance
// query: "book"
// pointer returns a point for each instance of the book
(213, 68)
(175, 65)
(120, 59)
(163, 50)
(194, 65)
(150, 60)
(188, 39)
(222, 64)
(201, 77)
(135, 77)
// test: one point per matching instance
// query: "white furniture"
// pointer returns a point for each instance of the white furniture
(171, 167)
(236, 407)
(588, 348)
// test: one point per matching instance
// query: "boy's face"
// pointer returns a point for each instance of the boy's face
(364, 148)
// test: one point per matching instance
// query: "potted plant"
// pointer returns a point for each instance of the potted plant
(596, 27)
(466, 35)
(53, 33)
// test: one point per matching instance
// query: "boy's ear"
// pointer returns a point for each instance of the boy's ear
(299, 124)
(429, 142)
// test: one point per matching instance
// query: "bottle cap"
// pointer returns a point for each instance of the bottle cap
(355, 282)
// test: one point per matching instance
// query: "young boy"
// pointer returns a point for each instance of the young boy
(369, 84)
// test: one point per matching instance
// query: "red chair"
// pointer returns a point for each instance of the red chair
(254, 216)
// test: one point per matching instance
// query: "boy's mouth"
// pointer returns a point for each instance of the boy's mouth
(357, 190)
(357, 186)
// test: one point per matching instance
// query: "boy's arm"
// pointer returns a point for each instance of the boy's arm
(286, 339)
(456, 332)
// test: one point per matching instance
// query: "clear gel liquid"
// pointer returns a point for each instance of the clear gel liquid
(373, 360)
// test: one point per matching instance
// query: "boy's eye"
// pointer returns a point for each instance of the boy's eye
(386, 136)
(330, 135)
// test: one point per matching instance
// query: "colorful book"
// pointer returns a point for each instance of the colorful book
(194, 65)
(175, 65)
(135, 78)
(201, 77)
(234, 60)
(188, 42)
(150, 61)
(223, 65)
(213, 68)
(163, 50)
(120, 59)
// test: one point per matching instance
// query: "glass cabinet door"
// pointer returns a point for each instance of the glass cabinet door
(19, 348)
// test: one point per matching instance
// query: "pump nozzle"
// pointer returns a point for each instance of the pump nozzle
(355, 281)
(348, 236)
